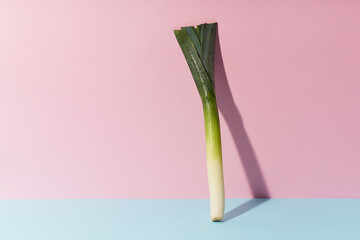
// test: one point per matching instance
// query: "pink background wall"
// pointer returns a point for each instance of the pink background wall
(96, 99)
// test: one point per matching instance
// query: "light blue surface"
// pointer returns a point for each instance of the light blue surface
(103, 219)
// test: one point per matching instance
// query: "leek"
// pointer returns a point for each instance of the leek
(198, 45)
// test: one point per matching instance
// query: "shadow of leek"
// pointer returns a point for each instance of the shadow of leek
(243, 208)
(245, 150)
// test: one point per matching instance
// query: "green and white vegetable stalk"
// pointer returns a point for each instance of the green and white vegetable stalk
(198, 47)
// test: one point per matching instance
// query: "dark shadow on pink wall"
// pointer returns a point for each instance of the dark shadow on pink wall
(234, 121)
